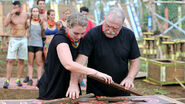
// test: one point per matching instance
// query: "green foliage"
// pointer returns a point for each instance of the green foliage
(146, 90)
(145, 15)
(172, 10)
(138, 84)
(143, 66)
(162, 92)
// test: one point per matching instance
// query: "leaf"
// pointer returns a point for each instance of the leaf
(162, 92)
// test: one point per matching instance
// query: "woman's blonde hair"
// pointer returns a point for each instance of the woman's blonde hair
(77, 18)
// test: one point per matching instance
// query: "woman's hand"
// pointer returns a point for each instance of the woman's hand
(107, 78)
(73, 92)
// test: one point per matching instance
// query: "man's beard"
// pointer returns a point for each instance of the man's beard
(108, 32)
(17, 13)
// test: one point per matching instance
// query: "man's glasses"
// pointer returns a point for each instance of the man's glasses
(116, 28)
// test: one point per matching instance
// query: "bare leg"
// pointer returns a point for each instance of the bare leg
(30, 64)
(20, 66)
(45, 52)
(9, 68)
(39, 63)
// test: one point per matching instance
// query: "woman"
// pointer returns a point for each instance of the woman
(35, 45)
(63, 50)
(50, 29)
(66, 14)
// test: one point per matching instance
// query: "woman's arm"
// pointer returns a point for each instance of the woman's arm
(65, 57)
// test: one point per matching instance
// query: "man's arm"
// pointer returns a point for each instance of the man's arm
(81, 59)
(27, 21)
(9, 16)
(7, 19)
(134, 69)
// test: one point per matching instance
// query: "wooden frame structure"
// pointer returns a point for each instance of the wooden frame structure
(165, 72)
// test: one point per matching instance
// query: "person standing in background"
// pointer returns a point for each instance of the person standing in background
(85, 11)
(66, 14)
(18, 41)
(50, 29)
(35, 45)
(42, 12)
(43, 16)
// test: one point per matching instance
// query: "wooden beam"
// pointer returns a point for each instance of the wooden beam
(115, 85)
(170, 2)
(60, 100)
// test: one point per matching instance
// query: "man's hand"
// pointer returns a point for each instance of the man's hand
(107, 78)
(128, 83)
(14, 11)
(73, 92)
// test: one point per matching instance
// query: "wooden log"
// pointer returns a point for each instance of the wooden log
(115, 85)
(60, 100)
(118, 99)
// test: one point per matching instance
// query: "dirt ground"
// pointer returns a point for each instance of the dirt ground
(173, 91)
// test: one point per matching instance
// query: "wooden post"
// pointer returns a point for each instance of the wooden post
(166, 17)
(1, 19)
(149, 14)
(173, 50)
(169, 52)
(149, 50)
(180, 16)
(153, 7)
(178, 50)
(155, 48)
(166, 50)
(183, 49)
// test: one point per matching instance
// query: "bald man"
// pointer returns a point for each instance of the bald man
(108, 49)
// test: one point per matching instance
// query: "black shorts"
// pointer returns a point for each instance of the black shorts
(34, 49)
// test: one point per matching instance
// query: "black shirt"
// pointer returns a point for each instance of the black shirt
(110, 56)
(55, 80)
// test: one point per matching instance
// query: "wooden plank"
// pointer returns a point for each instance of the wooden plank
(58, 101)
(170, 2)
(169, 99)
(150, 99)
(141, 75)
(115, 85)
(180, 82)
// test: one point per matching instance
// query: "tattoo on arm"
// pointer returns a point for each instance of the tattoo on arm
(82, 59)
